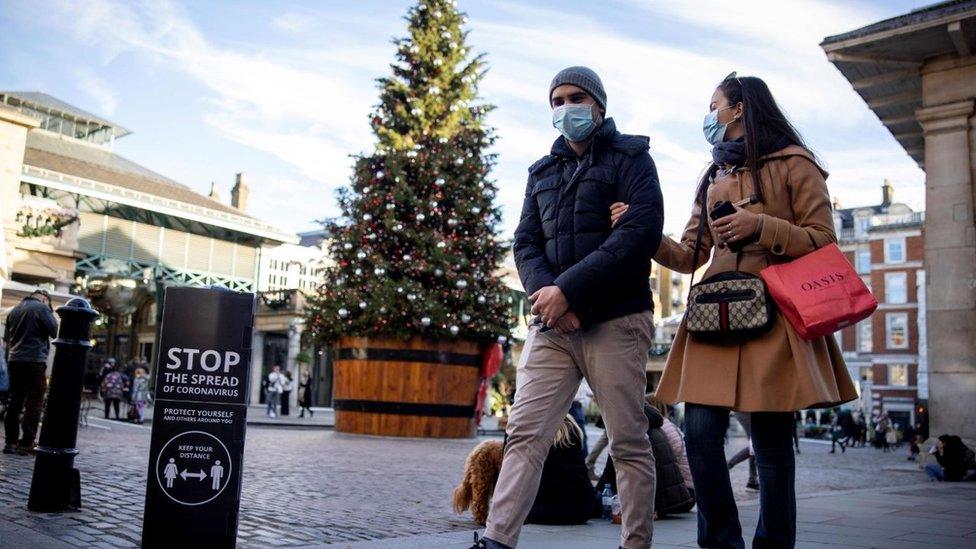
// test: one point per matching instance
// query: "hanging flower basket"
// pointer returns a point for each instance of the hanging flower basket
(39, 220)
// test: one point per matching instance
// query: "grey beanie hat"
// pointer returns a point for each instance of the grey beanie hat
(584, 78)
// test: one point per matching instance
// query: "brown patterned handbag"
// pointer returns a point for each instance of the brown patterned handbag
(729, 306)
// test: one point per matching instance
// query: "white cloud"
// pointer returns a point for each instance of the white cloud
(106, 100)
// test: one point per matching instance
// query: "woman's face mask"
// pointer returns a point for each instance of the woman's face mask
(713, 129)
(575, 122)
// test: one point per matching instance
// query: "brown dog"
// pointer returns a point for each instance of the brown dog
(478, 480)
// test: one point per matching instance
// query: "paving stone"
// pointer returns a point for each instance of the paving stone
(313, 487)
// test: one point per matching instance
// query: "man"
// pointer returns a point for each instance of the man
(589, 287)
(276, 384)
(30, 326)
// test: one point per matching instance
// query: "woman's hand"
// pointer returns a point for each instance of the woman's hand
(741, 225)
(617, 210)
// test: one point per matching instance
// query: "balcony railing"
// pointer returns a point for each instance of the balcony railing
(889, 220)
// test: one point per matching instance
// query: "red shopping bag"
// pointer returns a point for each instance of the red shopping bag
(819, 293)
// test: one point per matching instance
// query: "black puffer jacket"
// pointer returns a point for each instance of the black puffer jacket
(671, 494)
(564, 236)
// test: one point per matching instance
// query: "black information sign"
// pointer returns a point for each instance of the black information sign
(193, 489)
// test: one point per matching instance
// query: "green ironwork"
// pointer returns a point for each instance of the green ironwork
(105, 265)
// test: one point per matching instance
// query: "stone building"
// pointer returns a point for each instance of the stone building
(886, 244)
(917, 72)
(133, 232)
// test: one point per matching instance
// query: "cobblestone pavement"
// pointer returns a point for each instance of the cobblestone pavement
(304, 487)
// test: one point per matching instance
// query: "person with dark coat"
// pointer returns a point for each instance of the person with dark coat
(671, 495)
(566, 495)
(589, 285)
(954, 458)
(30, 327)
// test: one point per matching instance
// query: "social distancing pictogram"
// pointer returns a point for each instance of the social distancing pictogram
(193, 467)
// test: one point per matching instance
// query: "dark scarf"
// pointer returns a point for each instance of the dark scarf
(733, 153)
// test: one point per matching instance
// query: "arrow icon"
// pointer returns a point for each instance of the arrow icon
(201, 475)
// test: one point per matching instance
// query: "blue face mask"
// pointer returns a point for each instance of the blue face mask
(713, 129)
(575, 122)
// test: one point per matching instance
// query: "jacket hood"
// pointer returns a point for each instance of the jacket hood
(796, 150)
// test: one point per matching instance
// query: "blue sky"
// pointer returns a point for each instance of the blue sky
(283, 90)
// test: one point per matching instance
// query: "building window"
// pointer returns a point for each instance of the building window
(864, 261)
(864, 336)
(867, 373)
(894, 249)
(898, 375)
(863, 224)
(896, 287)
(896, 330)
(867, 281)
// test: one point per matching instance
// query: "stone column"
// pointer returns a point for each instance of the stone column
(257, 365)
(295, 329)
(950, 264)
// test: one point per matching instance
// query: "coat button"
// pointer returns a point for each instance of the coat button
(777, 249)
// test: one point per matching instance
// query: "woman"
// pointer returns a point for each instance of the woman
(287, 388)
(757, 155)
(114, 386)
(305, 395)
(671, 495)
(140, 394)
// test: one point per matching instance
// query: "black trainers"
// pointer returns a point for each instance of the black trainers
(8, 448)
(752, 485)
(486, 543)
(479, 543)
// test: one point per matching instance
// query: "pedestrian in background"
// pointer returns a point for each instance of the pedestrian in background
(287, 387)
(837, 434)
(140, 394)
(797, 426)
(305, 395)
(30, 327)
(752, 483)
(276, 384)
(114, 387)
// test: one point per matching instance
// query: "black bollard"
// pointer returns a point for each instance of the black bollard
(56, 484)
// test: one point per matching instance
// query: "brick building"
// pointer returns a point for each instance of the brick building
(886, 353)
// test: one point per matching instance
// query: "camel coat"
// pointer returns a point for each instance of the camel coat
(777, 371)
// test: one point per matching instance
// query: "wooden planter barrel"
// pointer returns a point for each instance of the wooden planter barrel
(412, 388)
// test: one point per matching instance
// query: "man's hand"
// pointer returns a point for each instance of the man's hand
(568, 323)
(550, 304)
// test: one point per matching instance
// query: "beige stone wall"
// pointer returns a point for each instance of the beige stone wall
(947, 118)
(13, 136)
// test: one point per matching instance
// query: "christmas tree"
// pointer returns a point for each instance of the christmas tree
(415, 249)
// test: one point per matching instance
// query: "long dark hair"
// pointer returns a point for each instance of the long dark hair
(767, 129)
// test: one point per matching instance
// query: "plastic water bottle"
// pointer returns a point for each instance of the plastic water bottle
(607, 502)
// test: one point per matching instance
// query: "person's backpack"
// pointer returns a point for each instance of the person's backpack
(113, 385)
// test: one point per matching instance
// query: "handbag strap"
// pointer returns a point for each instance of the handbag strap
(701, 230)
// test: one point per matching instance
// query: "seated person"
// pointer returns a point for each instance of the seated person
(677, 441)
(671, 495)
(565, 494)
(956, 461)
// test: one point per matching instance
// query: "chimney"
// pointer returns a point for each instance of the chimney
(836, 202)
(213, 191)
(238, 195)
(887, 193)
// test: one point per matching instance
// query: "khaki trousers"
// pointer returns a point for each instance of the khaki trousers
(611, 356)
